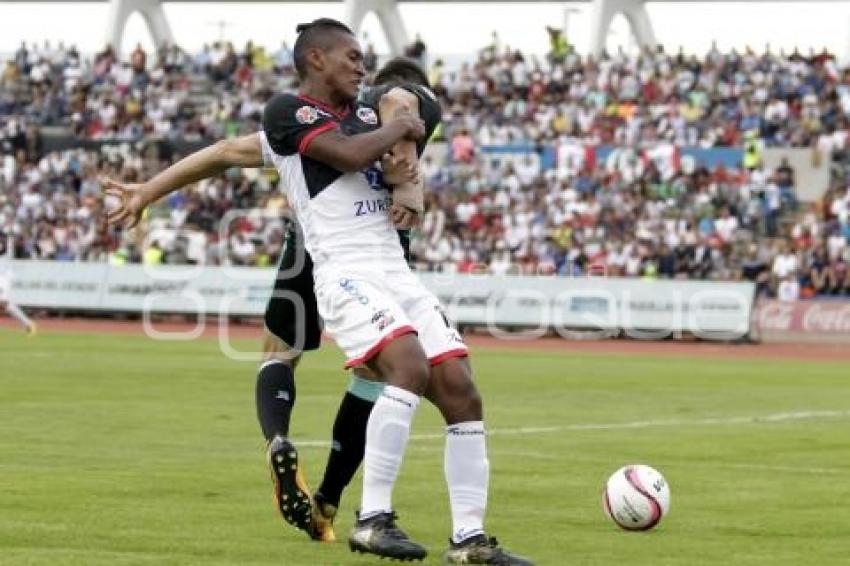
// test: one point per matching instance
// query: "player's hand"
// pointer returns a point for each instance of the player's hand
(403, 217)
(398, 169)
(414, 126)
(131, 206)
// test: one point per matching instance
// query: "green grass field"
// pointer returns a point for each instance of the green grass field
(120, 450)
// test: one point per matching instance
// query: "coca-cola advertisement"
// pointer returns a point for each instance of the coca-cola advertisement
(826, 317)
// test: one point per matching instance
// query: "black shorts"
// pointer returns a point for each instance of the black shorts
(294, 293)
(293, 297)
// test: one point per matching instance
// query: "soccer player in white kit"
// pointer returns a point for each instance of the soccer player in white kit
(325, 145)
(6, 303)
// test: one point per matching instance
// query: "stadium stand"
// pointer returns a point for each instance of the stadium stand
(604, 182)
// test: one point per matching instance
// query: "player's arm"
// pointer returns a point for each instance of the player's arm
(350, 154)
(401, 169)
(400, 166)
(294, 127)
(245, 151)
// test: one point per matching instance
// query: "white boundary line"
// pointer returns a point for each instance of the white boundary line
(664, 423)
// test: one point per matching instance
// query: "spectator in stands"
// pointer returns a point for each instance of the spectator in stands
(283, 61)
(370, 59)
(154, 255)
(700, 261)
(785, 181)
(138, 60)
(463, 148)
(646, 210)
(785, 264)
(418, 51)
(754, 268)
(788, 290)
(558, 46)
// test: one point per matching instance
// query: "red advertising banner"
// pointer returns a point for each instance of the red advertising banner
(823, 317)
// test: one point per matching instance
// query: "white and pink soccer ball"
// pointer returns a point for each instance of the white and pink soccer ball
(636, 497)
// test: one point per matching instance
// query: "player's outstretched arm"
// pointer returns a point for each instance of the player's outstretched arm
(244, 151)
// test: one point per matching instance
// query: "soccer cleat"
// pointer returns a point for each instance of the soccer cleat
(32, 330)
(322, 520)
(291, 494)
(480, 549)
(379, 535)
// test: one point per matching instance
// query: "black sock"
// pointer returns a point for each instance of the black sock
(349, 446)
(275, 398)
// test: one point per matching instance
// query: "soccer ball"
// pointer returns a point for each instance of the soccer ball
(636, 497)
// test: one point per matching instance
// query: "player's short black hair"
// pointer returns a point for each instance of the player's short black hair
(401, 70)
(311, 35)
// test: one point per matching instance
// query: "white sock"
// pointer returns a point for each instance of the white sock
(386, 440)
(467, 475)
(16, 313)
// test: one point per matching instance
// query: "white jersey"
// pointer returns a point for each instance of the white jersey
(344, 216)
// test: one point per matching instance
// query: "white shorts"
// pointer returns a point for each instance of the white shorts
(5, 285)
(363, 312)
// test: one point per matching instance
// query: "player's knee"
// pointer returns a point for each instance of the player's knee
(466, 397)
(456, 393)
(283, 355)
(404, 364)
(474, 406)
(276, 349)
(415, 373)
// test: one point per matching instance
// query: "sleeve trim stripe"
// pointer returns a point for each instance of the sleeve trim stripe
(311, 135)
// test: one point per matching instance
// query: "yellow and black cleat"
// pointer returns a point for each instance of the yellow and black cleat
(322, 523)
(291, 494)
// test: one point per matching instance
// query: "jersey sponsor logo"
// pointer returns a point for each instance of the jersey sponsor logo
(453, 336)
(367, 115)
(351, 288)
(365, 207)
(306, 115)
(375, 178)
(382, 318)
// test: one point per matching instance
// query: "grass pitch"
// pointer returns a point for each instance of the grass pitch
(120, 450)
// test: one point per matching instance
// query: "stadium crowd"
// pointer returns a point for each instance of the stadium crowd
(640, 211)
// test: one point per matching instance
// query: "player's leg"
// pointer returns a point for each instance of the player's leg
(275, 399)
(292, 327)
(466, 466)
(349, 442)
(349, 436)
(370, 327)
(275, 390)
(19, 315)
(452, 390)
(403, 363)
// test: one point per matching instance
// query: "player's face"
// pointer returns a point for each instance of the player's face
(344, 70)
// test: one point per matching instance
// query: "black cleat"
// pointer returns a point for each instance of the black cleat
(290, 490)
(480, 549)
(379, 535)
